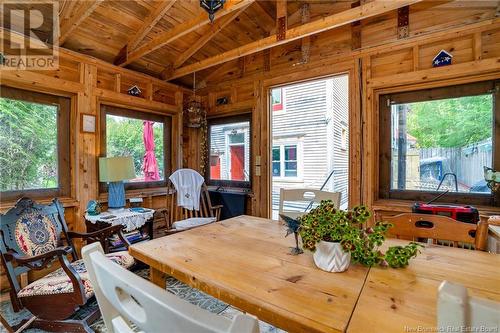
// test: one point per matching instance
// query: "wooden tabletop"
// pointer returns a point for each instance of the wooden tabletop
(244, 261)
(404, 300)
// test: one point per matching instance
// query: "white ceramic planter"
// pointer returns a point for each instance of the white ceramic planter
(331, 257)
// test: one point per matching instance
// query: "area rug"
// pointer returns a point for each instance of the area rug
(174, 286)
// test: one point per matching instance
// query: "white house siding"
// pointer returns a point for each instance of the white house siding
(219, 145)
(314, 113)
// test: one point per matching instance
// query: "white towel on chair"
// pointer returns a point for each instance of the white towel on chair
(187, 183)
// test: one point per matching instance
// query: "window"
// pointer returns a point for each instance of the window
(124, 133)
(34, 144)
(285, 161)
(277, 99)
(439, 140)
(229, 151)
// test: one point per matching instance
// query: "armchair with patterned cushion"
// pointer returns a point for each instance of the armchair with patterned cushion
(34, 236)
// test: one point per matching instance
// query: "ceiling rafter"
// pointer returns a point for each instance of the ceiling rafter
(207, 35)
(155, 16)
(177, 32)
(76, 17)
(348, 16)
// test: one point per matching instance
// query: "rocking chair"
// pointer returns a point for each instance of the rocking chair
(31, 240)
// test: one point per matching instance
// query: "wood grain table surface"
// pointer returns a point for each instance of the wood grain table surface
(244, 261)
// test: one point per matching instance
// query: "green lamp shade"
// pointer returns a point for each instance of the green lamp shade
(114, 169)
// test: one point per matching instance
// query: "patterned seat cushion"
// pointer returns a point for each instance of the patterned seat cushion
(58, 281)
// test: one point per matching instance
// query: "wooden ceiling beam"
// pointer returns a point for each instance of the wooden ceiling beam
(155, 16)
(281, 19)
(178, 31)
(370, 9)
(207, 35)
(74, 19)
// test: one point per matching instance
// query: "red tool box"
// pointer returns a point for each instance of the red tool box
(466, 214)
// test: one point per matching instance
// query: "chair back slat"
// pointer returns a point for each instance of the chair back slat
(126, 298)
(442, 230)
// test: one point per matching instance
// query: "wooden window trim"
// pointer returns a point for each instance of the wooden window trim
(64, 119)
(471, 89)
(167, 143)
(227, 120)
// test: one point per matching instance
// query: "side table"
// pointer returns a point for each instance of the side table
(132, 220)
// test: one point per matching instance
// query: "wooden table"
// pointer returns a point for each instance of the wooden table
(244, 262)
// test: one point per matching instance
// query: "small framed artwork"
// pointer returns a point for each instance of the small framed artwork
(88, 123)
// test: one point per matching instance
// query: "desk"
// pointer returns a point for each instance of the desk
(244, 261)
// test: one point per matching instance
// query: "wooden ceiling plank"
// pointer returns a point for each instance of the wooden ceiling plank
(149, 23)
(210, 33)
(71, 22)
(370, 9)
(179, 31)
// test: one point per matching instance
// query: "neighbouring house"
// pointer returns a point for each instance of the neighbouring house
(310, 136)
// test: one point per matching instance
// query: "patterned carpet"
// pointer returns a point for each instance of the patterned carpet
(174, 286)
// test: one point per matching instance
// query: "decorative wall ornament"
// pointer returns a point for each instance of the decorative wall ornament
(443, 58)
(134, 91)
(212, 6)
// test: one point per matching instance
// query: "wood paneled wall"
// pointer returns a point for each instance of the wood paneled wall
(90, 83)
(377, 63)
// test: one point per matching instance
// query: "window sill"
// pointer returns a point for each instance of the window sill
(66, 202)
(142, 193)
(404, 206)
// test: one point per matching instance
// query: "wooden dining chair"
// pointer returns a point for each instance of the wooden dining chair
(455, 308)
(180, 219)
(441, 230)
(126, 298)
(296, 202)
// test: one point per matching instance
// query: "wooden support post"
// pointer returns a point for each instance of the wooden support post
(281, 19)
(306, 41)
(149, 91)
(355, 31)
(416, 58)
(477, 44)
(157, 277)
(404, 22)
(118, 82)
(267, 60)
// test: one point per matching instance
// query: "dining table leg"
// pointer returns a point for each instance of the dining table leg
(158, 277)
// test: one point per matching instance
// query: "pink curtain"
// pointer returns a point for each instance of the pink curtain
(150, 165)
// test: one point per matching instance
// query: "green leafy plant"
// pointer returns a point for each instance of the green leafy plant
(326, 223)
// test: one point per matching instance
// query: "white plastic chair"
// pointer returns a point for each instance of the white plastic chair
(304, 198)
(126, 298)
(455, 308)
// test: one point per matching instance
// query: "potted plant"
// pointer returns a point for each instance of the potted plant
(336, 237)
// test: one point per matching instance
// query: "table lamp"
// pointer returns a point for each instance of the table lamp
(114, 170)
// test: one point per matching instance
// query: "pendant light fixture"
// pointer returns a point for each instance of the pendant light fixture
(212, 6)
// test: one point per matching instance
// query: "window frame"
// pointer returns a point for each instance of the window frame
(245, 117)
(282, 143)
(140, 115)
(64, 141)
(455, 91)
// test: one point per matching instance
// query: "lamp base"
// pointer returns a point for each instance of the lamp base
(116, 195)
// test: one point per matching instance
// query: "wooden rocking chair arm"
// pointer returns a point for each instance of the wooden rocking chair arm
(101, 235)
(217, 210)
(39, 261)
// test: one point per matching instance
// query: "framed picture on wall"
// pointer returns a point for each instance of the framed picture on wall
(88, 123)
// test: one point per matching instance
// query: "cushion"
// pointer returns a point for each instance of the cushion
(35, 233)
(58, 282)
(192, 222)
